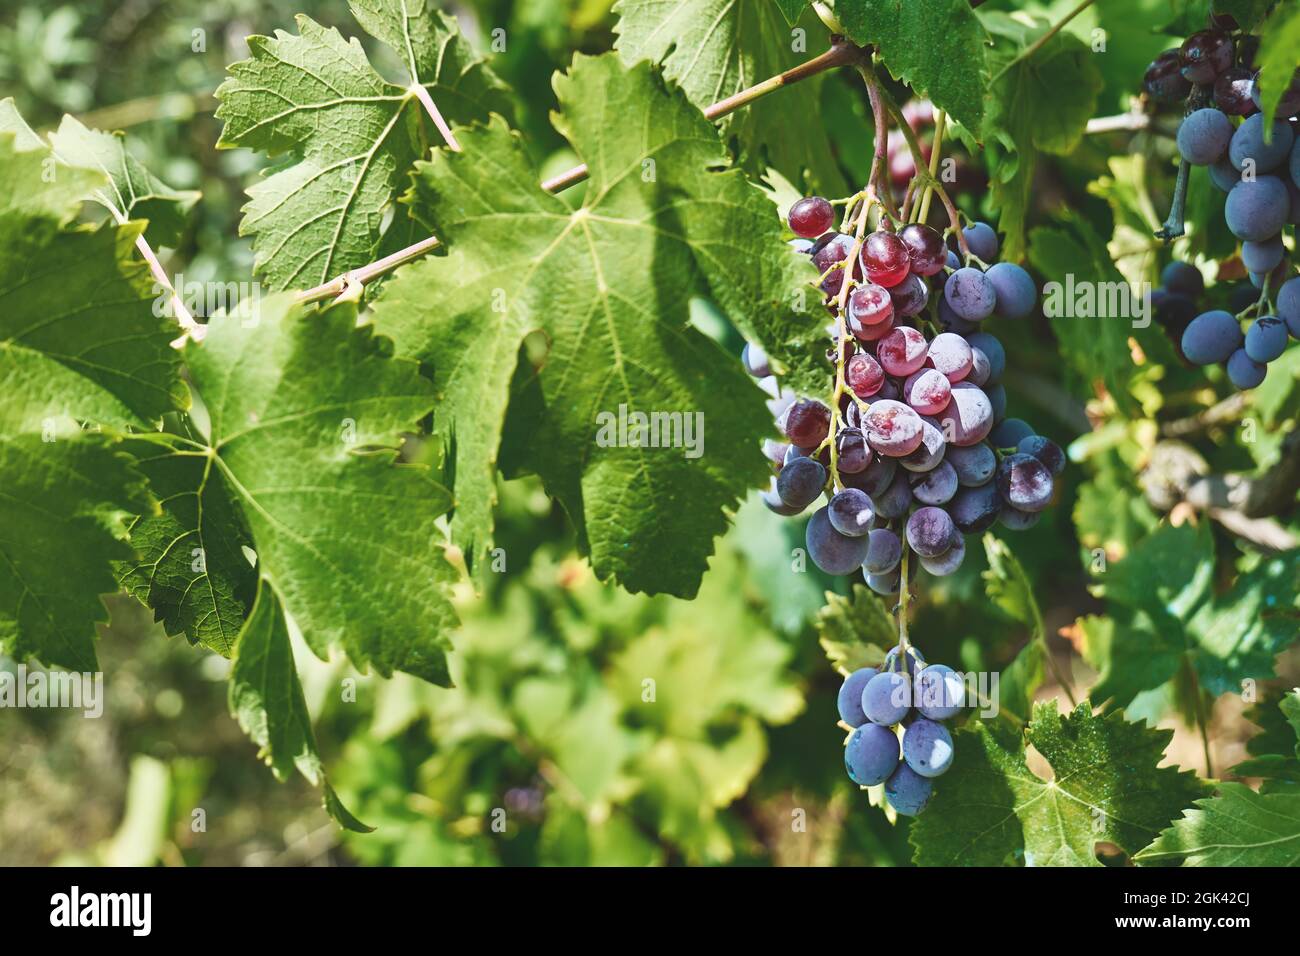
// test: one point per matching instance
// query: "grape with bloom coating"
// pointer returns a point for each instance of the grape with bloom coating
(907, 791)
(831, 551)
(884, 551)
(870, 304)
(968, 417)
(902, 351)
(1248, 144)
(931, 449)
(951, 355)
(981, 240)
(1014, 290)
(1244, 372)
(1257, 209)
(939, 692)
(849, 700)
(892, 428)
(1010, 433)
(871, 755)
(973, 464)
(910, 296)
(1212, 337)
(993, 350)
(936, 486)
(851, 513)
(974, 510)
(1045, 450)
(930, 531)
(864, 375)
(1024, 482)
(927, 391)
(894, 501)
(1204, 135)
(927, 747)
(800, 482)
(970, 294)
(887, 698)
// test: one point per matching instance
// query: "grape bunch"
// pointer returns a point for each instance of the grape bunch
(1259, 169)
(897, 735)
(919, 452)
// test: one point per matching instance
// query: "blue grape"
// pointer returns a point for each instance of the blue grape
(831, 551)
(755, 359)
(951, 321)
(947, 563)
(1224, 174)
(875, 479)
(981, 240)
(1016, 520)
(850, 512)
(907, 791)
(927, 747)
(1204, 135)
(1243, 371)
(980, 367)
(1288, 306)
(954, 262)
(1266, 338)
(1015, 292)
(894, 501)
(939, 692)
(998, 401)
(871, 755)
(1264, 256)
(772, 499)
(1024, 482)
(882, 584)
(930, 531)
(974, 510)
(1248, 144)
(887, 698)
(1045, 450)
(937, 486)
(916, 660)
(1010, 433)
(974, 464)
(884, 551)
(1211, 337)
(849, 700)
(1257, 209)
(1183, 278)
(993, 349)
(800, 482)
(970, 294)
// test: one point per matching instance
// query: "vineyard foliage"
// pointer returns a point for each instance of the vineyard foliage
(389, 512)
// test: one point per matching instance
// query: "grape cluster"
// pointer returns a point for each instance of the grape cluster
(919, 452)
(1259, 169)
(898, 738)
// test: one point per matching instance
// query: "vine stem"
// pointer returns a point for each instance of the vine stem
(940, 121)
(435, 114)
(841, 53)
(879, 161)
(1038, 44)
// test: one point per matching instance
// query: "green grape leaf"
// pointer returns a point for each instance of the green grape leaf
(191, 568)
(1041, 103)
(307, 412)
(1236, 828)
(715, 48)
(351, 136)
(79, 337)
(266, 698)
(938, 48)
(133, 192)
(605, 288)
(855, 630)
(1275, 753)
(1279, 38)
(62, 525)
(1106, 785)
(11, 121)
(1166, 616)
(792, 10)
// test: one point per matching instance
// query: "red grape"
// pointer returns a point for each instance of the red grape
(1232, 92)
(925, 249)
(806, 423)
(1205, 55)
(885, 258)
(1164, 79)
(864, 375)
(910, 296)
(928, 391)
(902, 351)
(869, 304)
(811, 217)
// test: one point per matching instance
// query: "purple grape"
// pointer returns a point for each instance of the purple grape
(1212, 337)
(910, 296)
(887, 698)
(1244, 372)
(948, 562)
(930, 531)
(930, 451)
(829, 249)
(853, 455)
(800, 482)
(927, 391)
(974, 510)
(902, 351)
(950, 321)
(981, 240)
(980, 367)
(925, 248)
(1258, 209)
(806, 423)
(871, 755)
(1024, 482)
(1016, 520)
(935, 487)
(970, 294)
(892, 428)
(894, 501)
(850, 512)
(1266, 338)
(831, 551)
(1232, 91)
(772, 499)
(915, 659)
(1248, 144)
(927, 747)
(1164, 78)
(884, 551)
(974, 464)
(1205, 55)
(1045, 450)
(992, 348)
(882, 584)
(1224, 174)
(998, 399)
(875, 479)
(939, 692)
(1204, 135)
(907, 791)
(1015, 292)
(1262, 256)
(968, 417)
(849, 700)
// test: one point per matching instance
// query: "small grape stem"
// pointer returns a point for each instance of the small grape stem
(903, 594)
(841, 53)
(435, 114)
(841, 320)
(1174, 225)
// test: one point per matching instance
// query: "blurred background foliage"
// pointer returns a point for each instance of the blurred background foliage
(590, 726)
